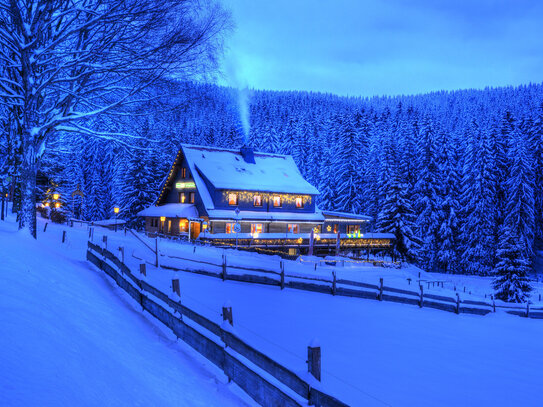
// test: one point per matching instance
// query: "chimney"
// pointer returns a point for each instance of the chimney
(248, 154)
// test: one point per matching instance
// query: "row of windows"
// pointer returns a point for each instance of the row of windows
(257, 201)
(185, 197)
(258, 228)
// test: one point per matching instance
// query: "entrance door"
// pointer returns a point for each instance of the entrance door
(194, 230)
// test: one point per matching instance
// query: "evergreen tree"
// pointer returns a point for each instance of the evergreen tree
(511, 283)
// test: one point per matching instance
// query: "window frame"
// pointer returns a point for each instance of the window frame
(254, 228)
(280, 201)
(254, 201)
(301, 202)
(229, 228)
(230, 194)
(293, 228)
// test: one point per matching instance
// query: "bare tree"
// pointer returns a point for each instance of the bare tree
(65, 61)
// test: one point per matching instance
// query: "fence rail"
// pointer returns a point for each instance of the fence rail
(350, 288)
(242, 363)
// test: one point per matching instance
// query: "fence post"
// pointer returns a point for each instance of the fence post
(121, 249)
(314, 359)
(227, 313)
(223, 267)
(45, 227)
(334, 283)
(493, 304)
(527, 309)
(104, 241)
(282, 267)
(143, 269)
(381, 289)
(421, 300)
(175, 286)
(63, 236)
(156, 251)
(457, 303)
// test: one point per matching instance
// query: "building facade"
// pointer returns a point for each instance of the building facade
(255, 199)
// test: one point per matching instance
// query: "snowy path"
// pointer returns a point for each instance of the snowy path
(68, 338)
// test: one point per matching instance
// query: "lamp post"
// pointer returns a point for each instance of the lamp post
(116, 211)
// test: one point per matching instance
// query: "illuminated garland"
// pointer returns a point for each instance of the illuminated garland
(170, 175)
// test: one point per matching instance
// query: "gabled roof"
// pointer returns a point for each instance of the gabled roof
(227, 169)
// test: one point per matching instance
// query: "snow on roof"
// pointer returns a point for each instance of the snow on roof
(351, 216)
(266, 216)
(226, 169)
(171, 210)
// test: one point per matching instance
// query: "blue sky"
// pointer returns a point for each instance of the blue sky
(370, 47)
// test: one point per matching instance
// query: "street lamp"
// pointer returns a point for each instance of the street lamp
(56, 196)
(116, 211)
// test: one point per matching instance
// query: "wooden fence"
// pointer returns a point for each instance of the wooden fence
(349, 288)
(266, 381)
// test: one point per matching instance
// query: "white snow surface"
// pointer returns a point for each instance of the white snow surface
(226, 169)
(69, 338)
(373, 353)
(171, 210)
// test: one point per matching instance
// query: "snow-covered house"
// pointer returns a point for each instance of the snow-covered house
(256, 199)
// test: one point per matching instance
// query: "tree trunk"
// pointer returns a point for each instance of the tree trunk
(29, 172)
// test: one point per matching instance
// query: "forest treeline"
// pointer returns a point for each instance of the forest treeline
(454, 175)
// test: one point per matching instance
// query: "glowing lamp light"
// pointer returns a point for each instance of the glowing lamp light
(162, 218)
(116, 209)
(57, 205)
(56, 196)
(329, 228)
(46, 204)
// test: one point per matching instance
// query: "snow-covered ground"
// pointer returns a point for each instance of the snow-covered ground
(69, 338)
(374, 353)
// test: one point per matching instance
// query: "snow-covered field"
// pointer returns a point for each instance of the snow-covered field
(374, 353)
(68, 338)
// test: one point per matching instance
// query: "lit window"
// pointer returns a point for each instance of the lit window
(229, 228)
(277, 201)
(183, 225)
(353, 228)
(183, 173)
(257, 200)
(336, 227)
(182, 197)
(299, 202)
(256, 227)
(232, 199)
(192, 196)
(293, 228)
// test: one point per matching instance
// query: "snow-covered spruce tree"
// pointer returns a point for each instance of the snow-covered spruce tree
(396, 215)
(64, 61)
(428, 194)
(478, 199)
(347, 167)
(536, 146)
(519, 187)
(512, 268)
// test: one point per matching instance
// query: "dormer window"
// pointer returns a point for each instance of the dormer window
(299, 202)
(257, 200)
(232, 199)
(277, 201)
